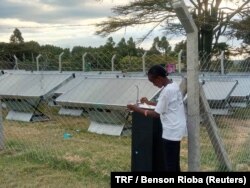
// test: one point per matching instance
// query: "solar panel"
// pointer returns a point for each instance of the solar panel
(23, 93)
(80, 76)
(218, 90)
(108, 91)
(240, 95)
(217, 93)
(243, 88)
(105, 100)
(31, 85)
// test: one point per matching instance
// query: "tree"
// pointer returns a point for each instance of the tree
(110, 45)
(129, 64)
(211, 17)
(153, 49)
(164, 45)
(50, 53)
(131, 47)
(222, 46)
(241, 30)
(16, 37)
(160, 46)
(124, 48)
(180, 46)
(121, 48)
(30, 50)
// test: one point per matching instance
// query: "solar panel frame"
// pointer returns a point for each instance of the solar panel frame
(218, 90)
(29, 85)
(107, 91)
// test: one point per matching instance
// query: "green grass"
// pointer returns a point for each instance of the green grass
(243, 155)
(241, 113)
(37, 155)
(66, 164)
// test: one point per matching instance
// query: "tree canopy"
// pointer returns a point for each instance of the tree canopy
(212, 18)
(241, 29)
(16, 37)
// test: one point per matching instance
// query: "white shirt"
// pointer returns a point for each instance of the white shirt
(172, 114)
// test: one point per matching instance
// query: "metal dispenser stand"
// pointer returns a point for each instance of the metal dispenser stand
(147, 149)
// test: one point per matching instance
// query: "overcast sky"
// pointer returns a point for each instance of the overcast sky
(67, 23)
(64, 23)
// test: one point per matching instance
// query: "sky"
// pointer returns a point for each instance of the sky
(65, 23)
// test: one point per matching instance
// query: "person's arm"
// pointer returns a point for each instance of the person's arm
(145, 112)
(145, 100)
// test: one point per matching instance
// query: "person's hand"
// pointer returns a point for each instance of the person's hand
(144, 100)
(131, 107)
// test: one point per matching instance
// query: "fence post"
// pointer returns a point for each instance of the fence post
(60, 62)
(179, 61)
(112, 63)
(193, 106)
(83, 61)
(37, 62)
(1, 128)
(222, 63)
(144, 62)
(16, 62)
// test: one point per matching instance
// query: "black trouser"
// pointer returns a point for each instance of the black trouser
(171, 155)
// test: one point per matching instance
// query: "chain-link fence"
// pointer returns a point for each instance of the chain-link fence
(225, 124)
(65, 115)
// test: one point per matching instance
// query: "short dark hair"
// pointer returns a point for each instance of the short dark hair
(157, 70)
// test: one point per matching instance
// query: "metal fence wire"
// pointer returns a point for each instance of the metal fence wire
(70, 113)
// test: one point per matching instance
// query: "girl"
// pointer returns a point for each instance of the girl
(170, 109)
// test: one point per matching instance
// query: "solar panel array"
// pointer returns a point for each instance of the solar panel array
(105, 90)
